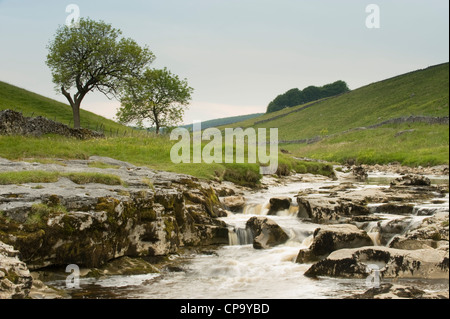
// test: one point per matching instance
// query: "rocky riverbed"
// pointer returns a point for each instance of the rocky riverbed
(159, 230)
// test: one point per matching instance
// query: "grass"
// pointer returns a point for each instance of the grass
(40, 211)
(419, 93)
(151, 152)
(22, 177)
(32, 104)
(427, 145)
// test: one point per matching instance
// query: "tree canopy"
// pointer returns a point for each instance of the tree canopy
(93, 56)
(158, 97)
(295, 97)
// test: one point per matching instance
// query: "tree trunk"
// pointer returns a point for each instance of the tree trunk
(76, 115)
(75, 104)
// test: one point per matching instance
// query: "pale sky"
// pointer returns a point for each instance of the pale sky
(237, 55)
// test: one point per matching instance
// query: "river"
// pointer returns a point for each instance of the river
(238, 271)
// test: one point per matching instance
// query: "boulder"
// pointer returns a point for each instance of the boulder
(266, 233)
(15, 278)
(321, 209)
(411, 180)
(278, 204)
(433, 232)
(360, 173)
(333, 237)
(392, 263)
(391, 291)
(234, 203)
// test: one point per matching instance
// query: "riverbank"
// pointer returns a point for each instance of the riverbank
(155, 231)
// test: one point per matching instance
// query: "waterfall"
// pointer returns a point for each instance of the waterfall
(239, 236)
(263, 210)
(255, 209)
(373, 231)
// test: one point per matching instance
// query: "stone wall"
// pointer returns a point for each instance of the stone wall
(14, 123)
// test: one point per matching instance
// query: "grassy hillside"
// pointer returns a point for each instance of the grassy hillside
(225, 121)
(32, 104)
(137, 148)
(420, 93)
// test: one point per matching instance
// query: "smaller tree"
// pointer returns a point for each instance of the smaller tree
(158, 96)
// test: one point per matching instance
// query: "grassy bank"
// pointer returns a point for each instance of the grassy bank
(410, 145)
(153, 152)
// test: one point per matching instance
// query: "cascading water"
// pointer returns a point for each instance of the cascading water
(240, 271)
(240, 236)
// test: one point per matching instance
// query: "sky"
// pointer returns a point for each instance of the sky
(238, 55)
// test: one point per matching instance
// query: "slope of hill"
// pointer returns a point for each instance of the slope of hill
(419, 93)
(32, 104)
(225, 121)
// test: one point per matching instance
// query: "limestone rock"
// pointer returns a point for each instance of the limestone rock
(278, 204)
(266, 233)
(390, 291)
(392, 263)
(334, 237)
(15, 278)
(360, 173)
(321, 210)
(234, 203)
(64, 223)
(411, 180)
(433, 232)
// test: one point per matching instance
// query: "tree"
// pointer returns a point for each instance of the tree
(92, 57)
(295, 97)
(158, 96)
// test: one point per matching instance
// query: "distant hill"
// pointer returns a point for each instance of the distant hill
(379, 123)
(32, 104)
(295, 96)
(224, 121)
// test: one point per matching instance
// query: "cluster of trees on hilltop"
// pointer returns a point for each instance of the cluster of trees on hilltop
(296, 97)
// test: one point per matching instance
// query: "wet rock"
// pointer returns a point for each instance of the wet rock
(394, 208)
(124, 266)
(392, 263)
(391, 291)
(15, 278)
(411, 180)
(360, 173)
(433, 232)
(40, 290)
(266, 233)
(224, 191)
(383, 231)
(234, 203)
(321, 210)
(278, 204)
(334, 237)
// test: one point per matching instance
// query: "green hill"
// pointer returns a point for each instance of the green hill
(32, 104)
(339, 122)
(225, 121)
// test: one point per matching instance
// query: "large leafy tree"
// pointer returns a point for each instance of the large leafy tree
(158, 97)
(93, 57)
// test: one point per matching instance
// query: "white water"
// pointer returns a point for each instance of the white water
(238, 271)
